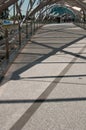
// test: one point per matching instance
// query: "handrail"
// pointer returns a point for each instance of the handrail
(10, 45)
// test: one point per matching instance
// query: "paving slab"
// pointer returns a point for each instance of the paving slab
(45, 87)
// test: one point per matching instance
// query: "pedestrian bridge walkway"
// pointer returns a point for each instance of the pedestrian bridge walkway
(45, 87)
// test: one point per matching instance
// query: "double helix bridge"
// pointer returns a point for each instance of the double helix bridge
(19, 19)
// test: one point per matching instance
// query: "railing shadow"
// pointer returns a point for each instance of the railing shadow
(56, 100)
(53, 50)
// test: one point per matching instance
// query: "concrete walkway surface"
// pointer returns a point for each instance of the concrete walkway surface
(45, 87)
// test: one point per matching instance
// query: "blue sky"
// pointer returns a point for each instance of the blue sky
(24, 7)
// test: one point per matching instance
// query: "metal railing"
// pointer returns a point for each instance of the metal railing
(15, 37)
(81, 24)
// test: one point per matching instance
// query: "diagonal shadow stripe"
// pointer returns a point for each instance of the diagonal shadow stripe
(33, 108)
(16, 74)
(74, 54)
(41, 44)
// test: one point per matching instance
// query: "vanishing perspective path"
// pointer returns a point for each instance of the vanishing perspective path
(45, 87)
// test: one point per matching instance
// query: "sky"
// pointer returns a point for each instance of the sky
(24, 8)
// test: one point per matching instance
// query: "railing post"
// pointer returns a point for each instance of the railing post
(34, 25)
(31, 27)
(14, 12)
(7, 44)
(37, 24)
(26, 29)
(19, 35)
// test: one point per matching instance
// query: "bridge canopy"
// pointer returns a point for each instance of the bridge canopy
(61, 11)
(34, 7)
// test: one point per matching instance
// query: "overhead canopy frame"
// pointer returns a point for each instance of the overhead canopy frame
(4, 4)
